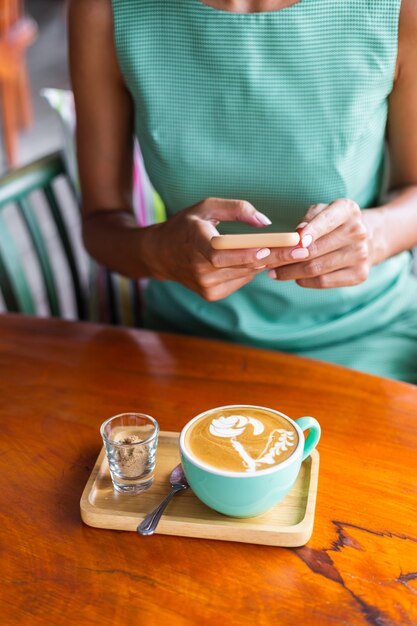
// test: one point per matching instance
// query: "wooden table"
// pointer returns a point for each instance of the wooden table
(59, 380)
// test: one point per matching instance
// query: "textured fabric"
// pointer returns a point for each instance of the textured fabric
(283, 109)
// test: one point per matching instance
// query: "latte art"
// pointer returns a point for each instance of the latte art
(234, 425)
(241, 439)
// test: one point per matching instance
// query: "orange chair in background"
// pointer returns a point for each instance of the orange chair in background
(17, 33)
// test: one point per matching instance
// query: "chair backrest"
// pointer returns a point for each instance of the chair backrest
(20, 193)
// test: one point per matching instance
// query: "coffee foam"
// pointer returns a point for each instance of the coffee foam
(241, 439)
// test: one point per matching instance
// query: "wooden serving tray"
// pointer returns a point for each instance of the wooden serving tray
(289, 523)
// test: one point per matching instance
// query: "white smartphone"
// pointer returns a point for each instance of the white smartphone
(255, 240)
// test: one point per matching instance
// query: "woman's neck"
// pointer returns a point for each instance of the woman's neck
(250, 6)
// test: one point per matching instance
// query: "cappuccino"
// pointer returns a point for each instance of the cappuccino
(241, 439)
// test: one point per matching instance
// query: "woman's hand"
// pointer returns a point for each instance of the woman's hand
(339, 245)
(180, 249)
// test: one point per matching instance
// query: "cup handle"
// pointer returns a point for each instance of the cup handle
(309, 423)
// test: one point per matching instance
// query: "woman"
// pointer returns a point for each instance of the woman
(252, 112)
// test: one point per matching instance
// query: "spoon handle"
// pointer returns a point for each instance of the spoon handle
(148, 525)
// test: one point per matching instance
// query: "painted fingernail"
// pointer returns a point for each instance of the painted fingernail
(302, 225)
(272, 274)
(263, 219)
(299, 253)
(306, 241)
(263, 253)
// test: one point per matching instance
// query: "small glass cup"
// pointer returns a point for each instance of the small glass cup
(130, 440)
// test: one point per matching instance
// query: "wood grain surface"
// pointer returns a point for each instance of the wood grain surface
(59, 380)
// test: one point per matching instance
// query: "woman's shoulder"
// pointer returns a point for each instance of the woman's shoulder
(407, 37)
(91, 12)
(91, 38)
(408, 19)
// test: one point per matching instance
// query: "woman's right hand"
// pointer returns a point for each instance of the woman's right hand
(180, 249)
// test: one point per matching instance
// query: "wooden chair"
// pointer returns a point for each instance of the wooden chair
(17, 32)
(17, 194)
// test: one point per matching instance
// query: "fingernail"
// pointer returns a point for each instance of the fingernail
(299, 253)
(263, 253)
(263, 219)
(306, 241)
(272, 274)
(302, 225)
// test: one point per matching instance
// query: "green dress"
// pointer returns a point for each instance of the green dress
(284, 109)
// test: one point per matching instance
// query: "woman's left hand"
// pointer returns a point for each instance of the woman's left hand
(338, 246)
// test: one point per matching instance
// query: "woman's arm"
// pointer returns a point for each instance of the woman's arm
(399, 214)
(179, 249)
(104, 138)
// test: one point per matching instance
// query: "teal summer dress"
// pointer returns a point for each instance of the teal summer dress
(284, 109)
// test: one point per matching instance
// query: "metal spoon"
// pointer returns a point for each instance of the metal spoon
(178, 482)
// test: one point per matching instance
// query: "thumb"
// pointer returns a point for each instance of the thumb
(224, 210)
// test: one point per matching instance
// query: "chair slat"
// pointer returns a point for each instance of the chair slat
(13, 284)
(68, 248)
(135, 299)
(19, 183)
(111, 299)
(40, 250)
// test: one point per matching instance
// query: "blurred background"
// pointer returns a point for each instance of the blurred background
(41, 253)
(44, 53)
(44, 269)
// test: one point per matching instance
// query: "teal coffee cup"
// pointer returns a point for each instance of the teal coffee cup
(241, 460)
